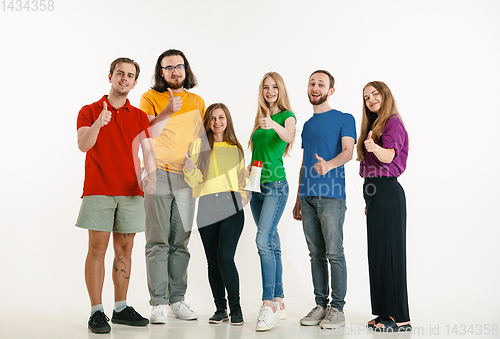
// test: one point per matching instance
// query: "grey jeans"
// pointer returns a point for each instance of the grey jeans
(169, 218)
(322, 221)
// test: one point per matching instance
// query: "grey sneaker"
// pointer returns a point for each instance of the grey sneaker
(333, 319)
(314, 317)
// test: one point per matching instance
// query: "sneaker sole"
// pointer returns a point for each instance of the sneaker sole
(283, 315)
(310, 322)
(100, 330)
(125, 322)
(236, 324)
(151, 321)
(179, 317)
(331, 326)
(217, 321)
(270, 326)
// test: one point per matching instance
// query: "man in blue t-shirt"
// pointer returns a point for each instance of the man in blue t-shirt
(328, 139)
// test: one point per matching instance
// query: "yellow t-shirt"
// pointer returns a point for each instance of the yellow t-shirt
(180, 130)
(226, 170)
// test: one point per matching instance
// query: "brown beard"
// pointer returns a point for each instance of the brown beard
(319, 101)
(175, 85)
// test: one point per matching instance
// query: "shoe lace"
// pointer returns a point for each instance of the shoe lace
(132, 310)
(185, 308)
(185, 305)
(100, 314)
(220, 311)
(313, 312)
(158, 310)
(236, 311)
(263, 313)
(331, 313)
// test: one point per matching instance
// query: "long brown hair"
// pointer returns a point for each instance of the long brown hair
(159, 83)
(376, 122)
(207, 140)
(282, 101)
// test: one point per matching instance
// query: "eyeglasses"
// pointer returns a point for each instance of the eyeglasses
(179, 67)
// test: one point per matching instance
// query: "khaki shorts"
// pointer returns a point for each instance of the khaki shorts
(122, 214)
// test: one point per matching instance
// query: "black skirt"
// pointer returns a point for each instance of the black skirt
(386, 227)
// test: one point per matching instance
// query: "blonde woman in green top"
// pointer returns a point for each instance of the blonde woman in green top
(271, 139)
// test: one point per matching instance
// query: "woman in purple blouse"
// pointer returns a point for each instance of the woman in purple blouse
(382, 150)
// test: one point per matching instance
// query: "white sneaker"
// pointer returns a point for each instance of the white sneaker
(158, 314)
(281, 311)
(267, 318)
(314, 317)
(182, 311)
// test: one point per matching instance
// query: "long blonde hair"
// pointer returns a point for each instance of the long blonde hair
(283, 104)
(376, 122)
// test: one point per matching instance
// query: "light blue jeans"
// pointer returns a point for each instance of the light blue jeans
(322, 221)
(267, 208)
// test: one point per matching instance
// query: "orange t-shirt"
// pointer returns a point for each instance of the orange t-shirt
(180, 130)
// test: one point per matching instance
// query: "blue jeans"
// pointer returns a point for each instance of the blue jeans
(267, 208)
(322, 221)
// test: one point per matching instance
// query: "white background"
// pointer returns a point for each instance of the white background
(440, 59)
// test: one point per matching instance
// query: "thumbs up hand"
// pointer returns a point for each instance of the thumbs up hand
(174, 103)
(370, 145)
(322, 166)
(104, 117)
(188, 163)
(266, 122)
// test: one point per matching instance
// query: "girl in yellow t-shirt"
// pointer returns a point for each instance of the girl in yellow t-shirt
(215, 169)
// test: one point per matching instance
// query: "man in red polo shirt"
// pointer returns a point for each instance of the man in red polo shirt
(111, 131)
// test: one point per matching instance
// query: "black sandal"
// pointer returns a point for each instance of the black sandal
(391, 326)
(377, 320)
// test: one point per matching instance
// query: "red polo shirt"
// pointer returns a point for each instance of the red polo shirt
(112, 166)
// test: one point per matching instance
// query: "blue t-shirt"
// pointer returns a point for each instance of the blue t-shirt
(322, 134)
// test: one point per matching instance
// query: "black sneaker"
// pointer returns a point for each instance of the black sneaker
(236, 316)
(130, 317)
(98, 323)
(219, 316)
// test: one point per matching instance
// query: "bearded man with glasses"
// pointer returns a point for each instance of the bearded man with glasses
(170, 211)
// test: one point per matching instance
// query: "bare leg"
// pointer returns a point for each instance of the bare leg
(94, 265)
(269, 303)
(279, 301)
(122, 263)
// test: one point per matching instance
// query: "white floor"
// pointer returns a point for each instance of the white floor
(32, 323)
(50, 300)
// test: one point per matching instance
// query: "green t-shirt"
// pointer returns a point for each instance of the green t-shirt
(269, 148)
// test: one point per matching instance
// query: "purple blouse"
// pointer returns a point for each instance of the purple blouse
(395, 137)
